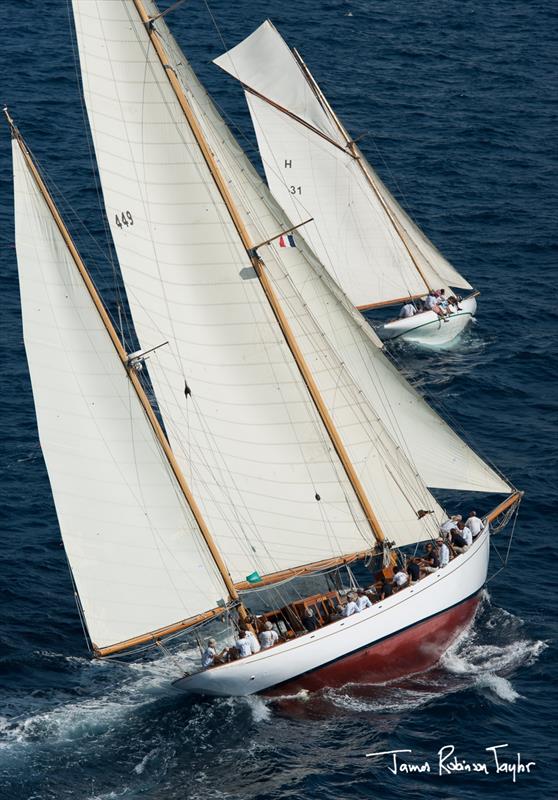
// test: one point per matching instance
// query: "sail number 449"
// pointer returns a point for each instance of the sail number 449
(124, 219)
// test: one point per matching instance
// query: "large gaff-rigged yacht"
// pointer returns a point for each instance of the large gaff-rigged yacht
(292, 449)
(319, 175)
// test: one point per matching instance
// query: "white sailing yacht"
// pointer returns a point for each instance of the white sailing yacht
(318, 174)
(291, 446)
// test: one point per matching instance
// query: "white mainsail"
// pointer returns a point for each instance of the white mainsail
(137, 556)
(442, 459)
(248, 437)
(359, 232)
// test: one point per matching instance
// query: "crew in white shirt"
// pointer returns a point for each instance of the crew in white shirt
(474, 523)
(243, 644)
(430, 302)
(350, 607)
(362, 601)
(443, 552)
(400, 578)
(254, 643)
(467, 535)
(450, 524)
(408, 310)
(210, 657)
(268, 637)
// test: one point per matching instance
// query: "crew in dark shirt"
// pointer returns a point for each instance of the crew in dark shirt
(458, 543)
(413, 570)
(386, 589)
(309, 620)
(430, 560)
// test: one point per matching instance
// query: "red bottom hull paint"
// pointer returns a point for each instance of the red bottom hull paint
(413, 650)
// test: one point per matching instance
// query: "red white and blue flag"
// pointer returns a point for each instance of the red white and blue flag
(287, 241)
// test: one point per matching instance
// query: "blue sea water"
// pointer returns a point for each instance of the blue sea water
(459, 102)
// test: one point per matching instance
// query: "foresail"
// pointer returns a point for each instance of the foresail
(137, 557)
(236, 408)
(359, 232)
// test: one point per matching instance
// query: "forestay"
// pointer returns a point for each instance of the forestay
(359, 232)
(248, 436)
(137, 557)
(439, 455)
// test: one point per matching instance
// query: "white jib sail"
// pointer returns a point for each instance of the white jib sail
(359, 232)
(136, 554)
(248, 437)
(442, 459)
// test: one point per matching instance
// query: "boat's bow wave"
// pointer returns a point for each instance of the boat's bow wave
(483, 659)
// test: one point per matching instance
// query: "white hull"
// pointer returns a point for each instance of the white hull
(427, 328)
(392, 618)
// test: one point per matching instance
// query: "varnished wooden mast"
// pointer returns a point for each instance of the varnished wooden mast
(131, 373)
(259, 268)
(354, 151)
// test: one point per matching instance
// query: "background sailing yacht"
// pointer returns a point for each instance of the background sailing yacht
(318, 174)
(228, 357)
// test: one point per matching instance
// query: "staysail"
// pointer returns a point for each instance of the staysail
(137, 557)
(359, 232)
(236, 408)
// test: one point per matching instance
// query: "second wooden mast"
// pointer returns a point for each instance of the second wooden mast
(261, 273)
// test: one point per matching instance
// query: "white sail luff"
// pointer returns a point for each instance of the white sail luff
(137, 556)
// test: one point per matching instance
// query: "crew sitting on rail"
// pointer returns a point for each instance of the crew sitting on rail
(436, 301)
(210, 656)
(408, 310)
